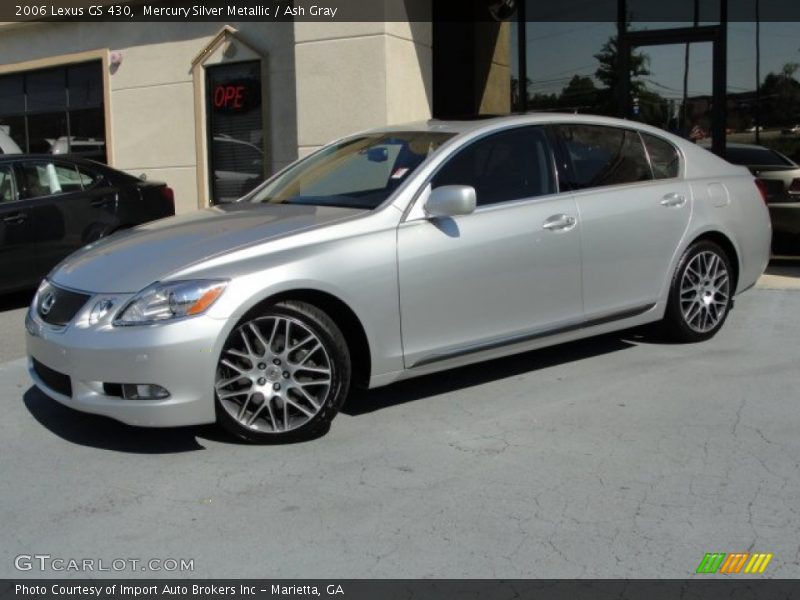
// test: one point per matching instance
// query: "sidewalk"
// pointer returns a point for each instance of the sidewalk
(783, 276)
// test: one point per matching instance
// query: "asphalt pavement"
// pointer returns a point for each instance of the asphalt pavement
(619, 456)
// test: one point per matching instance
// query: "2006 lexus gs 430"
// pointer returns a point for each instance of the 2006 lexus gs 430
(395, 253)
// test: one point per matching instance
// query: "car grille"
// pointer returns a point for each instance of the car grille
(56, 381)
(57, 306)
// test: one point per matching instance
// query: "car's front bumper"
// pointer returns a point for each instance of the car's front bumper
(180, 357)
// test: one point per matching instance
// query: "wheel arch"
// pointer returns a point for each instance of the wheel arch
(342, 314)
(724, 242)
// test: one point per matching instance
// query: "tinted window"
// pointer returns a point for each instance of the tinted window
(504, 166)
(87, 178)
(7, 188)
(235, 123)
(755, 155)
(47, 178)
(58, 110)
(663, 157)
(604, 155)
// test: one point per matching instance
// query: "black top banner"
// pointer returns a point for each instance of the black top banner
(635, 11)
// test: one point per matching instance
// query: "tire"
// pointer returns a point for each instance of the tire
(265, 394)
(700, 295)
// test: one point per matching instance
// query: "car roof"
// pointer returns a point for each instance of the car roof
(698, 161)
(489, 122)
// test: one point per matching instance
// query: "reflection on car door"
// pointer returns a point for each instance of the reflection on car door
(507, 271)
(631, 224)
(17, 247)
(66, 216)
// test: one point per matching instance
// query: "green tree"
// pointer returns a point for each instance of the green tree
(580, 93)
(780, 95)
(608, 74)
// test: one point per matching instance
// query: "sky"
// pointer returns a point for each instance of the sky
(558, 50)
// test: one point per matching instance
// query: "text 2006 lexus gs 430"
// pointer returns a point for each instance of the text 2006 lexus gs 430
(394, 253)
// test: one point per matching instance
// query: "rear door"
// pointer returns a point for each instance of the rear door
(18, 267)
(633, 214)
(68, 211)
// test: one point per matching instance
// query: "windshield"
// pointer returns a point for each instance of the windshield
(359, 172)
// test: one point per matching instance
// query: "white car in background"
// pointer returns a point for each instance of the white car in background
(7, 144)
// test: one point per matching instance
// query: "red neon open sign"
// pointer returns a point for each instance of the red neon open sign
(229, 96)
(236, 95)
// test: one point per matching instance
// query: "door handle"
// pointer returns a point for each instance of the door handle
(559, 223)
(101, 201)
(16, 218)
(673, 199)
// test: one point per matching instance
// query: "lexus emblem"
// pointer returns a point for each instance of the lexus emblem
(47, 303)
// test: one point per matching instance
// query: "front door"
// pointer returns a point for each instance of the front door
(508, 271)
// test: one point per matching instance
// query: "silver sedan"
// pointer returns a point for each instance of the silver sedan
(395, 253)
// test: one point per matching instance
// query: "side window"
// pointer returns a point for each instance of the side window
(663, 157)
(47, 179)
(603, 155)
(86, 178)
(508, 165)
(8, 191)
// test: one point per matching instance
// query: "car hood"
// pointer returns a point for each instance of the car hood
(131, 260)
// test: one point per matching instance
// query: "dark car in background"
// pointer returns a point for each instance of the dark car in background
(51, 206)
(779, 178)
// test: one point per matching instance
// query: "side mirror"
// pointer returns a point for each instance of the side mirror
(450, 200)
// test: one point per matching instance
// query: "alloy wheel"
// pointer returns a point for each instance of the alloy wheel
(705, 291)
(274, 375)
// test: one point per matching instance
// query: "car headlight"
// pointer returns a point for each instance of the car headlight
(165, 301)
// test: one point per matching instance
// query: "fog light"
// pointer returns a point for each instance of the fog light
(143, 391)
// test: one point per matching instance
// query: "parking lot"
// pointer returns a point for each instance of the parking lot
(620, 456)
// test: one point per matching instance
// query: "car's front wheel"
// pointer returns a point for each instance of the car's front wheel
(282, 375)
(701, 293)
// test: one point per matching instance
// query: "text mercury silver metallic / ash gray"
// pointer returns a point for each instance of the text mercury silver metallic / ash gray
(391, 254)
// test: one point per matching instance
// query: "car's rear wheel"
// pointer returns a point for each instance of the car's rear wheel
(282, 375)
(701, 293)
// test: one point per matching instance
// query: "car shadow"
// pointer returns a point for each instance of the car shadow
(102, 432)
(105, 433)
(366, 401)
(96, 431)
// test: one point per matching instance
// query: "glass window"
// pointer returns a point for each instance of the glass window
(87, 178)
(663, 157)
(603, 156)
(12, 95)
(360, 172)
(47, 179)
(46, 90)
(84, 86)
(8, 191)
(56, 111)
(235, 125)
(509, 165)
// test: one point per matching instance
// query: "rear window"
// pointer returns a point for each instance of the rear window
(756, 156)
(602, 156)
(663, 157)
